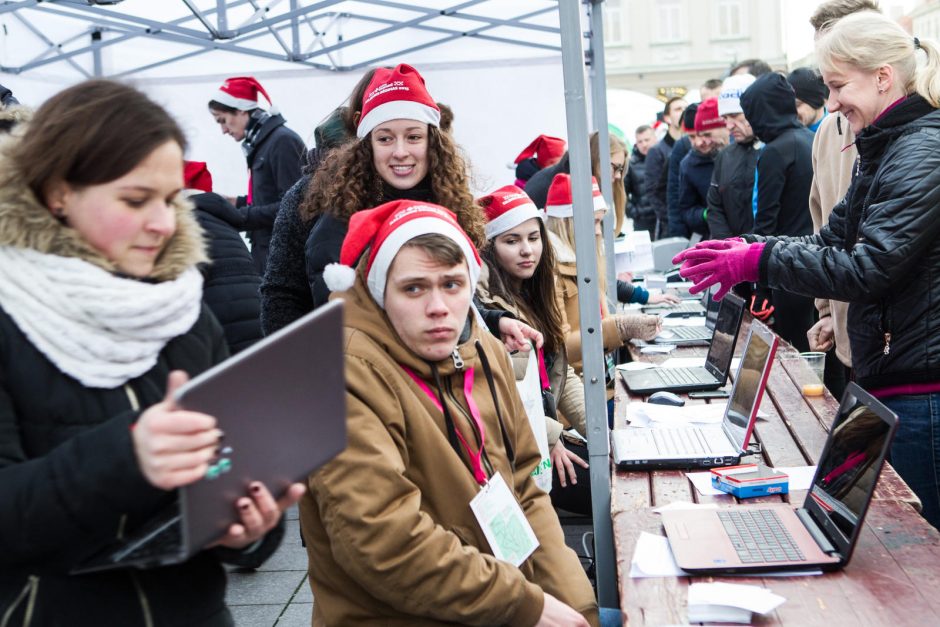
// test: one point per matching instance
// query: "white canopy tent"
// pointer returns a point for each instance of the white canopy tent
(510, 69)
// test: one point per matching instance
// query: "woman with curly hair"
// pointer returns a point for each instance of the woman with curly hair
(401, 153)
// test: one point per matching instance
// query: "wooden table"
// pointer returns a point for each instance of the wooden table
(893, 577)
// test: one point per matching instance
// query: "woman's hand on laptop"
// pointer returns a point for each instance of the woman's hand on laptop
(258, 513)
(174, 446)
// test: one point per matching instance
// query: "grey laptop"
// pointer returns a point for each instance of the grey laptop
(282, 406)
(709, 445)
(693, 333)
(821, 534)
(711, 376)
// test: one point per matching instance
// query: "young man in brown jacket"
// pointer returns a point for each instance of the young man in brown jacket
(400, 528)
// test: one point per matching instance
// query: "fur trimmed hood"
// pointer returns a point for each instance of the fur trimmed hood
(26, 223)
(17, 114)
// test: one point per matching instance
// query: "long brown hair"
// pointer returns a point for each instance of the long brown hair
(619, 193)
(347, 182)
(535, 296)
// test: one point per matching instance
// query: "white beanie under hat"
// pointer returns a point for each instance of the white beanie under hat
(729, 101)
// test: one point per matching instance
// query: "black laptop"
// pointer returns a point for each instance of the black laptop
(713, 374)
(823, 532)
(691, 334)
(282, 405)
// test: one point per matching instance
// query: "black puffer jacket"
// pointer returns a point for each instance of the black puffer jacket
(639, 209)
(231, 279)
(880, 251)
(731, 192)
(785, 164)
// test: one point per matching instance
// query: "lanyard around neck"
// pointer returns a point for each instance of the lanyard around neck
(476, 458)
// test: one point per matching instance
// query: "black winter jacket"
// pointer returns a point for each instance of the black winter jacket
(639, 209)
(730, 195)
(64, 499)
(231, 279)
(275, 158)
(681, 148)
(655, 177)
(785, 164)
(880, 251)
(285, 291)
(695, 176)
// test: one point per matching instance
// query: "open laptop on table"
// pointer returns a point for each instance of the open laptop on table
(697, 333)
(712, 375)
(706, 446)
(282, 405)
(821, 534)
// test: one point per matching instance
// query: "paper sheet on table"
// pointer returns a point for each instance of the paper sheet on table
(733, 595)
(654, 349)
(692, 321)
(800, 477)
(635, 365)
(703, 483)
(653, 557)
(650, 414)
(694, 362)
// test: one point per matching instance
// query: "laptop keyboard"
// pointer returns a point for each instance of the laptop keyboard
(759, 536)
(691, 333)
(682, 376)
(679, 441)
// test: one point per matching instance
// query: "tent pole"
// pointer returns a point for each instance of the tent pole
(588, 299)
(598, 76)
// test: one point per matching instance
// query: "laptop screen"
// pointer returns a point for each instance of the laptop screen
(749, 384)
(724, 337)
(849, 466)
(712, 308)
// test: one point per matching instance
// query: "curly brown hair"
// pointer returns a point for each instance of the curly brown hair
(347, 182)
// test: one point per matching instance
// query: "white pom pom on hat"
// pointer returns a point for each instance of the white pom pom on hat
(384, 230)
(338, 278)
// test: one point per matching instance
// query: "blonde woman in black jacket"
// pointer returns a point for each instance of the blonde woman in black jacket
(881, 249)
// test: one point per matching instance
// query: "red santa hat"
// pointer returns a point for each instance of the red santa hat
(559, 203)
(241, 92)
(507, 208)
(384, 230)
(196, 176)
(547, 150)
(396, 94)
(707, 118)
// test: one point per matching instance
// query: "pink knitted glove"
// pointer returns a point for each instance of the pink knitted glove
(734, 262)
(708, 244)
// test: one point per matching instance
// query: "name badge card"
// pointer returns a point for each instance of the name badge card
(503, 522)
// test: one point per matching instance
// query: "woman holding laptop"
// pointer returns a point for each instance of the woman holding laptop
(101, 320)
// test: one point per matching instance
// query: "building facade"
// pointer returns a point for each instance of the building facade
(670, 47)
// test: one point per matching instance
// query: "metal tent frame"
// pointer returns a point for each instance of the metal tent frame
(308, 33)
(298, 32)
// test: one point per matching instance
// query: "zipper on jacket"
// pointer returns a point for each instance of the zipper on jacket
(29, 593)
(132, 397)
(886, 328)
(142, 597)
(490, 471)
(458, 360)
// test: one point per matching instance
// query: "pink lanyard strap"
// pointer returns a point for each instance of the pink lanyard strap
(249, 198)
(475, 457)
(543, 372)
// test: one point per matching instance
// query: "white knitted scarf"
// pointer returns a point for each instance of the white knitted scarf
(98, 328)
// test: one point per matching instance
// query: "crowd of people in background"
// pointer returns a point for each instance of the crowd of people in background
(812, 194)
